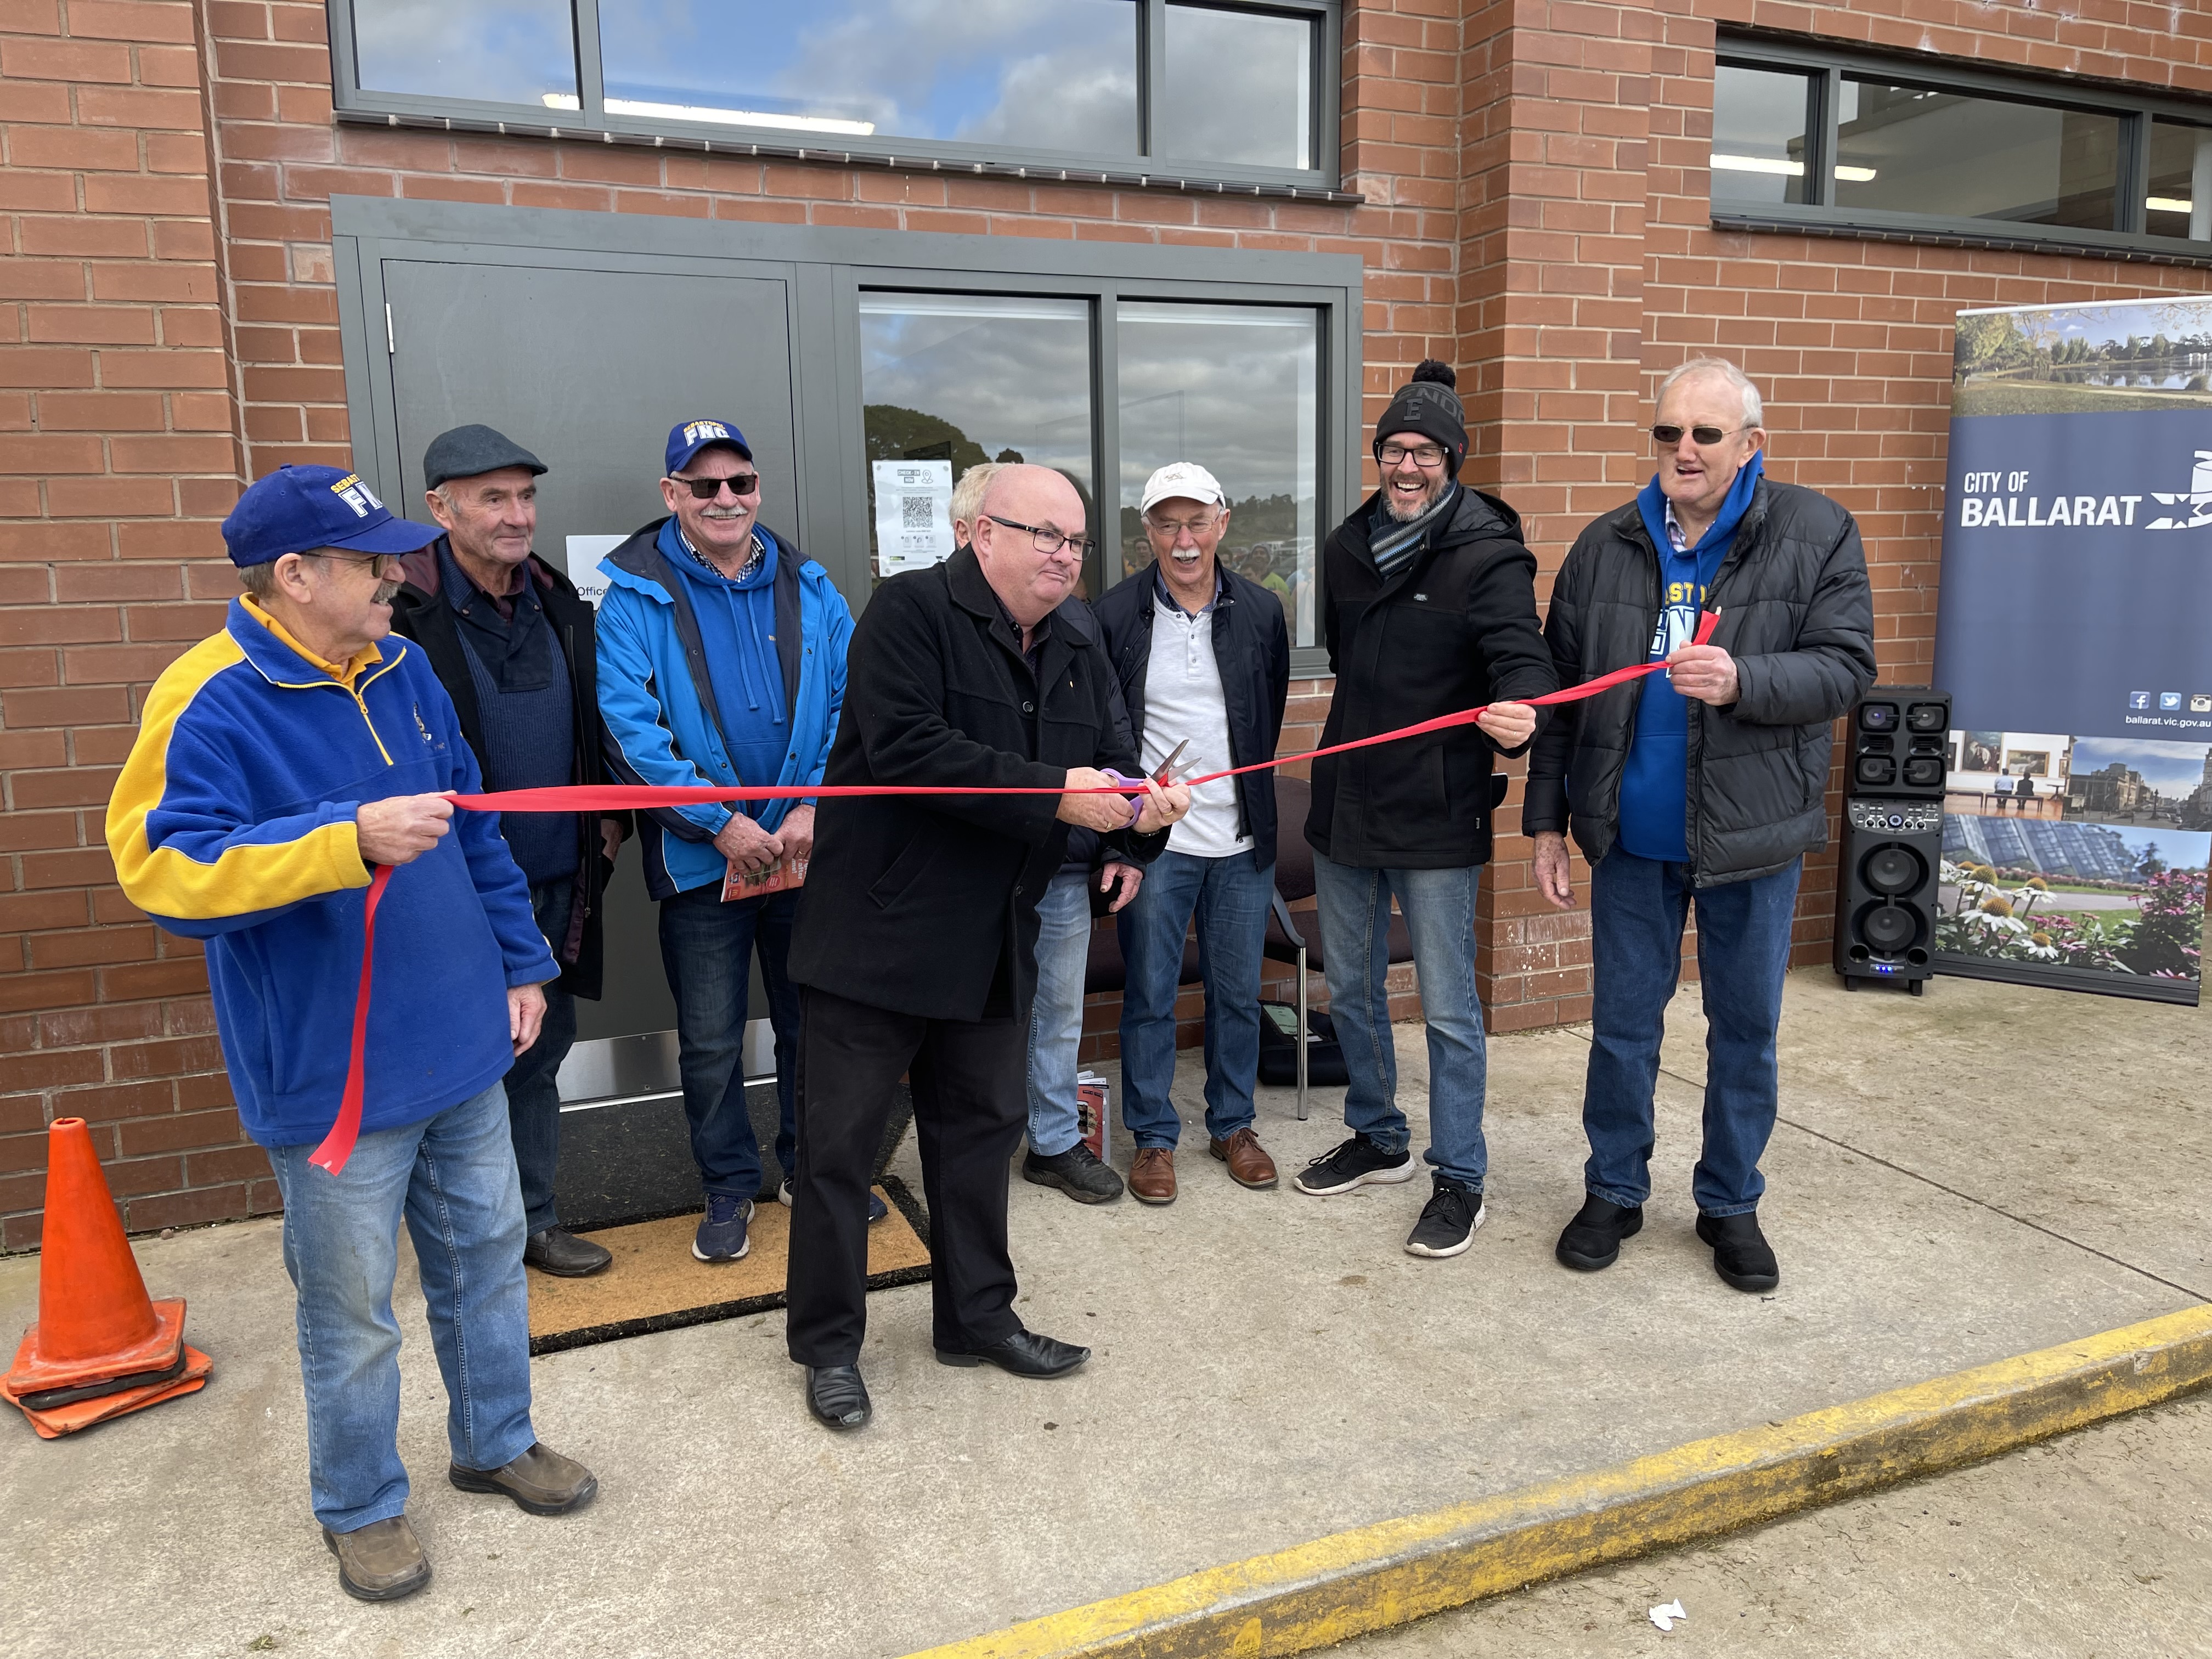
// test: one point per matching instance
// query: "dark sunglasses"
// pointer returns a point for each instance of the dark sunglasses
(706, 489)
(1704, 437)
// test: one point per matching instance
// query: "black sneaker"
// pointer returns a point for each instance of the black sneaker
(1741, 1255)
(877, 1210)
(1448, 1221)
(1592, 1239)
(1357, 1162)
(1076, 1172)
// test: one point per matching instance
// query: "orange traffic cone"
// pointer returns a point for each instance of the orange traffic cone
(100, 1347)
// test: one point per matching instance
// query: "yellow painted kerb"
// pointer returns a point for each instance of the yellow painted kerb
(1375, 1576)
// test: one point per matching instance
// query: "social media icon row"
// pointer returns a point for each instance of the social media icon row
(2200, 702)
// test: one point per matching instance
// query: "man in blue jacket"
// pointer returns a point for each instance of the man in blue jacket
(274, 764)
(722, 661)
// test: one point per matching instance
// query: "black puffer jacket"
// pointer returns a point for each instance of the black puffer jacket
(1454, 627)
(1798, 616)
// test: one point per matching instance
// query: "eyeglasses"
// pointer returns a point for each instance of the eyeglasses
(1703, 436)
(708, 490)
(1198, 527)
(1048, 540)
(1423, 455)
(372, 561)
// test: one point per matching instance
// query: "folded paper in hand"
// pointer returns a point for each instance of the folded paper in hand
(741, 884)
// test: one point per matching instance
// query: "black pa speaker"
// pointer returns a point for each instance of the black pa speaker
(1892, 850)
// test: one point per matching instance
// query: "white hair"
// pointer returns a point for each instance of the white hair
(1754, 410)
(968, 494)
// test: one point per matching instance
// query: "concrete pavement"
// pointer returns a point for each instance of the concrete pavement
(1959, 1178)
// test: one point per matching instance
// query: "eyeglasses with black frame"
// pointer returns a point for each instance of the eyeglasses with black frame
(1048, 540)
(1426, 456)
(708, 490)
(1703, 436)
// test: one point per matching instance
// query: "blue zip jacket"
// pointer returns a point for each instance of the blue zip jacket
(232, 822)
(657, 696)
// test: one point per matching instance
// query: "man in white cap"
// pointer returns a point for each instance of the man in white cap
(1203, 656)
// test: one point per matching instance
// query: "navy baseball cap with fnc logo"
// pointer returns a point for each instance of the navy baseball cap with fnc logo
(297, 509)
(687, 438)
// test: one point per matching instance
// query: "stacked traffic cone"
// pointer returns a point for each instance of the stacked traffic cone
(100, 1347)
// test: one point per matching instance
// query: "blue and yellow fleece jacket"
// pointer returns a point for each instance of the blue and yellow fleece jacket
(232, 822)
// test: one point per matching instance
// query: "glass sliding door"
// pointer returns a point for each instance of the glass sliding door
(1236, 389)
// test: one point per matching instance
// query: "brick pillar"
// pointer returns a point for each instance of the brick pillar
(1554, 139)
(118, 458)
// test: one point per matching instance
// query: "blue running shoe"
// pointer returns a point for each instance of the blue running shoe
(722, 1235)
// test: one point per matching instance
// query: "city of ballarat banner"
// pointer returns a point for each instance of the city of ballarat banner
(2075, 635)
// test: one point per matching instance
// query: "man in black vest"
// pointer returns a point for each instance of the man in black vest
(915, 946)
(512, 642)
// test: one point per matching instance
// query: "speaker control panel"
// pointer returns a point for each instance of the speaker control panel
(1905, 817)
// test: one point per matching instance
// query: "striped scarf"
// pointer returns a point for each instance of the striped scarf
(1394, 548)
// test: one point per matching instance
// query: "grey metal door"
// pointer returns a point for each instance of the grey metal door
(588, 369)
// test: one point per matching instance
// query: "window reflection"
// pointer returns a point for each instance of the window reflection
(511, 51)
(1759, 134)
(2180, 198)
(1020, 74)
(1239, 88)
(971, 378)
(1911, 150)
(1236, 389)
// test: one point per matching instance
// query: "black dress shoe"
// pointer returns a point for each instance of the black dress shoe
(1592, 1239)
(1025, 1353)
(835, 1395)
(563, 1255)
(1741, 1255)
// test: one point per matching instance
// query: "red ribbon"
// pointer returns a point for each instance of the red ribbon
(337, 1145)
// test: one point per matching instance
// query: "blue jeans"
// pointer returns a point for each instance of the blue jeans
(1638, 908)
(452, 1176)
(1355, 940)
(1063, 950)
(1228, 896)
(706, 947)
(533, 1086)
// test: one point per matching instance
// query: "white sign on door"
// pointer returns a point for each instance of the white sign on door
(914, 514)
(585, 554)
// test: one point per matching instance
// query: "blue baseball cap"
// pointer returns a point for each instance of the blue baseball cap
(296, 510)
(687, 438)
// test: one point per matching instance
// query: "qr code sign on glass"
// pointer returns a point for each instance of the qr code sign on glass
(914, 512)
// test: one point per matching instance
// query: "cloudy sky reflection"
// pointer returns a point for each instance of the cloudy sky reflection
(1032, 74)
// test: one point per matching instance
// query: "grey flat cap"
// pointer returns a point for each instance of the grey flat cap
(467, 451)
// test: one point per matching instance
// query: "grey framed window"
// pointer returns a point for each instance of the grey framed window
(1225, 93)
(1843, 142)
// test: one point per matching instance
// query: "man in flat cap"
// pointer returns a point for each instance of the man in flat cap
(511, 640)
(251, 814)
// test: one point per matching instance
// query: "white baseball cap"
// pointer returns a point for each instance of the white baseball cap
(1184, 479)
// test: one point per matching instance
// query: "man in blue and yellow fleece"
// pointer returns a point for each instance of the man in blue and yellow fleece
(722, 661)
(276, 764)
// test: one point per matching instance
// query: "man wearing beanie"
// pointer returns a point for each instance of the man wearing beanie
(274, 765)
(511, 640)
(1431, 609)
(1706, 785)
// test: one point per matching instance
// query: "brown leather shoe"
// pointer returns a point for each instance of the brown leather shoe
(379, 1561)
(1152, 1177)
(1248, 1160)
(541, 1480)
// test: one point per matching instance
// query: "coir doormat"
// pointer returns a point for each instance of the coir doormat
(655, 1284)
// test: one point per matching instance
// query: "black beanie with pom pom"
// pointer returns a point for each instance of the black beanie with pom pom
(1428, 405)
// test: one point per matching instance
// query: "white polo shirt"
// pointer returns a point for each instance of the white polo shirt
(1182, 699)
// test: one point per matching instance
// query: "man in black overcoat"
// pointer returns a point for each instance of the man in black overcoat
(915, 945)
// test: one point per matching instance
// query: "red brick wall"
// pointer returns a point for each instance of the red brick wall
(1536, 186)
(117, 456)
